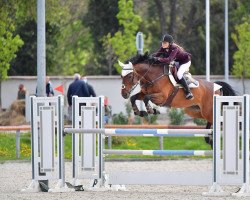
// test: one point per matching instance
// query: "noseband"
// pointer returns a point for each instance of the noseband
(134, 86)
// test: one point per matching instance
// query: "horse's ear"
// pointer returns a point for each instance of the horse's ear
(130, 64)
(121, 64)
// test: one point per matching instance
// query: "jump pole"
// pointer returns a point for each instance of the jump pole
(144, 132)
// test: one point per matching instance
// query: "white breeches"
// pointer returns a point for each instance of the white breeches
(182, 69)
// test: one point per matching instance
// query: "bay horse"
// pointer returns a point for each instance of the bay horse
(156, 87)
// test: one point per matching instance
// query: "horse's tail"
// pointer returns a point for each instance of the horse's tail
(226, 89)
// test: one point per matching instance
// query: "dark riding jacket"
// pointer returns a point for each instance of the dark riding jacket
(173, 53)
(49, 90)
(78, 88)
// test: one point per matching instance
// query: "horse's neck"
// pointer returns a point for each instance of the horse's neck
(155, 74)
(150, 72)
(141, 68)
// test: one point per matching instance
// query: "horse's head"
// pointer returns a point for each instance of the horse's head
(130, 73)
(129, 79)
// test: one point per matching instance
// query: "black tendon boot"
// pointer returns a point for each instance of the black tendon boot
(188, 93)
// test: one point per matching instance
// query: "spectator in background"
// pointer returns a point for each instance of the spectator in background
(108, 110)
(90, 87)
(49, 89)
(21, 92)
(77, 87)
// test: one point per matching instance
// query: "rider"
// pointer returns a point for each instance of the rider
(169, 52)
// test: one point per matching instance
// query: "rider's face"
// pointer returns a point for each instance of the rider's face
(165, 45)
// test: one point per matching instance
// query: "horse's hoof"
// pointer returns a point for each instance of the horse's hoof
(151, 111)
(136, 113)
(211, 143)
(156, 112)
(143, 114)
(207, 139)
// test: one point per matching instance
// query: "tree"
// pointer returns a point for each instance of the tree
(123, 42)
(9, 43)
(241, 67)
(101, 20)
(109, 53)
(162, 16)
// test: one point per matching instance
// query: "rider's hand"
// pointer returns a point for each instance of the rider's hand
(171, 64)
(155, 59)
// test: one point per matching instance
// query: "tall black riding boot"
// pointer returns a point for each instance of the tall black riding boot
(188, 93)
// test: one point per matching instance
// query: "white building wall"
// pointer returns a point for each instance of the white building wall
(109, 86)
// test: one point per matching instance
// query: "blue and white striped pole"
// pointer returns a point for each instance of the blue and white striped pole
(145, 132)
(160, 152)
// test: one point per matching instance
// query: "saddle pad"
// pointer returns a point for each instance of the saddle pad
(191, 83)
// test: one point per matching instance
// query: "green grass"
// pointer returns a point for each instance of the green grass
(8, 148)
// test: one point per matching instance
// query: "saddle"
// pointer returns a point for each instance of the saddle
(192, 83)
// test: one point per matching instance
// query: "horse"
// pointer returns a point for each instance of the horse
(156, 86)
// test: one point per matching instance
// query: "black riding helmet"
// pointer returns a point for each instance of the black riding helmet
(168, 38)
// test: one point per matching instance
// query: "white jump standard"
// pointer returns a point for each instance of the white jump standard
(231, 120)
(47, 143)
(230, 131)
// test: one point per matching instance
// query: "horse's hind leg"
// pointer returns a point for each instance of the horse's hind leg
(138, 96)
(195, 112)
(209, 138)
(207, 113)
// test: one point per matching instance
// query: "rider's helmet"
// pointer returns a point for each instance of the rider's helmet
(168, 38)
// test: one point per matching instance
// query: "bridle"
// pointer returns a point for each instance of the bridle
(132, 80)
(142, 77)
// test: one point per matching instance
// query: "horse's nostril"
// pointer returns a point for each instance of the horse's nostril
(125, 95)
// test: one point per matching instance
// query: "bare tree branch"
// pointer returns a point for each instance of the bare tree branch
(162, 17)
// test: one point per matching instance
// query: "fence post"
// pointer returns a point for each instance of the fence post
(161, 143)
(17, 143)
(109, 142)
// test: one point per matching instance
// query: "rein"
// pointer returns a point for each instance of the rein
(157, 78)
(141, 77)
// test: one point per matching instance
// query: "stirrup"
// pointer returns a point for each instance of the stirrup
(189, 96)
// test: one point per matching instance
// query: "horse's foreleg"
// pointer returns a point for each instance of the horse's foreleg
(138, 96)
(150, 110)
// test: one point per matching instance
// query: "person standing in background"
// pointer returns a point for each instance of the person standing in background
(49, 89)
(108, 111)
(21, 92)
(78, 88)
(90, 87)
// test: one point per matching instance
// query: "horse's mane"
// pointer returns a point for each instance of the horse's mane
(139, 59)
